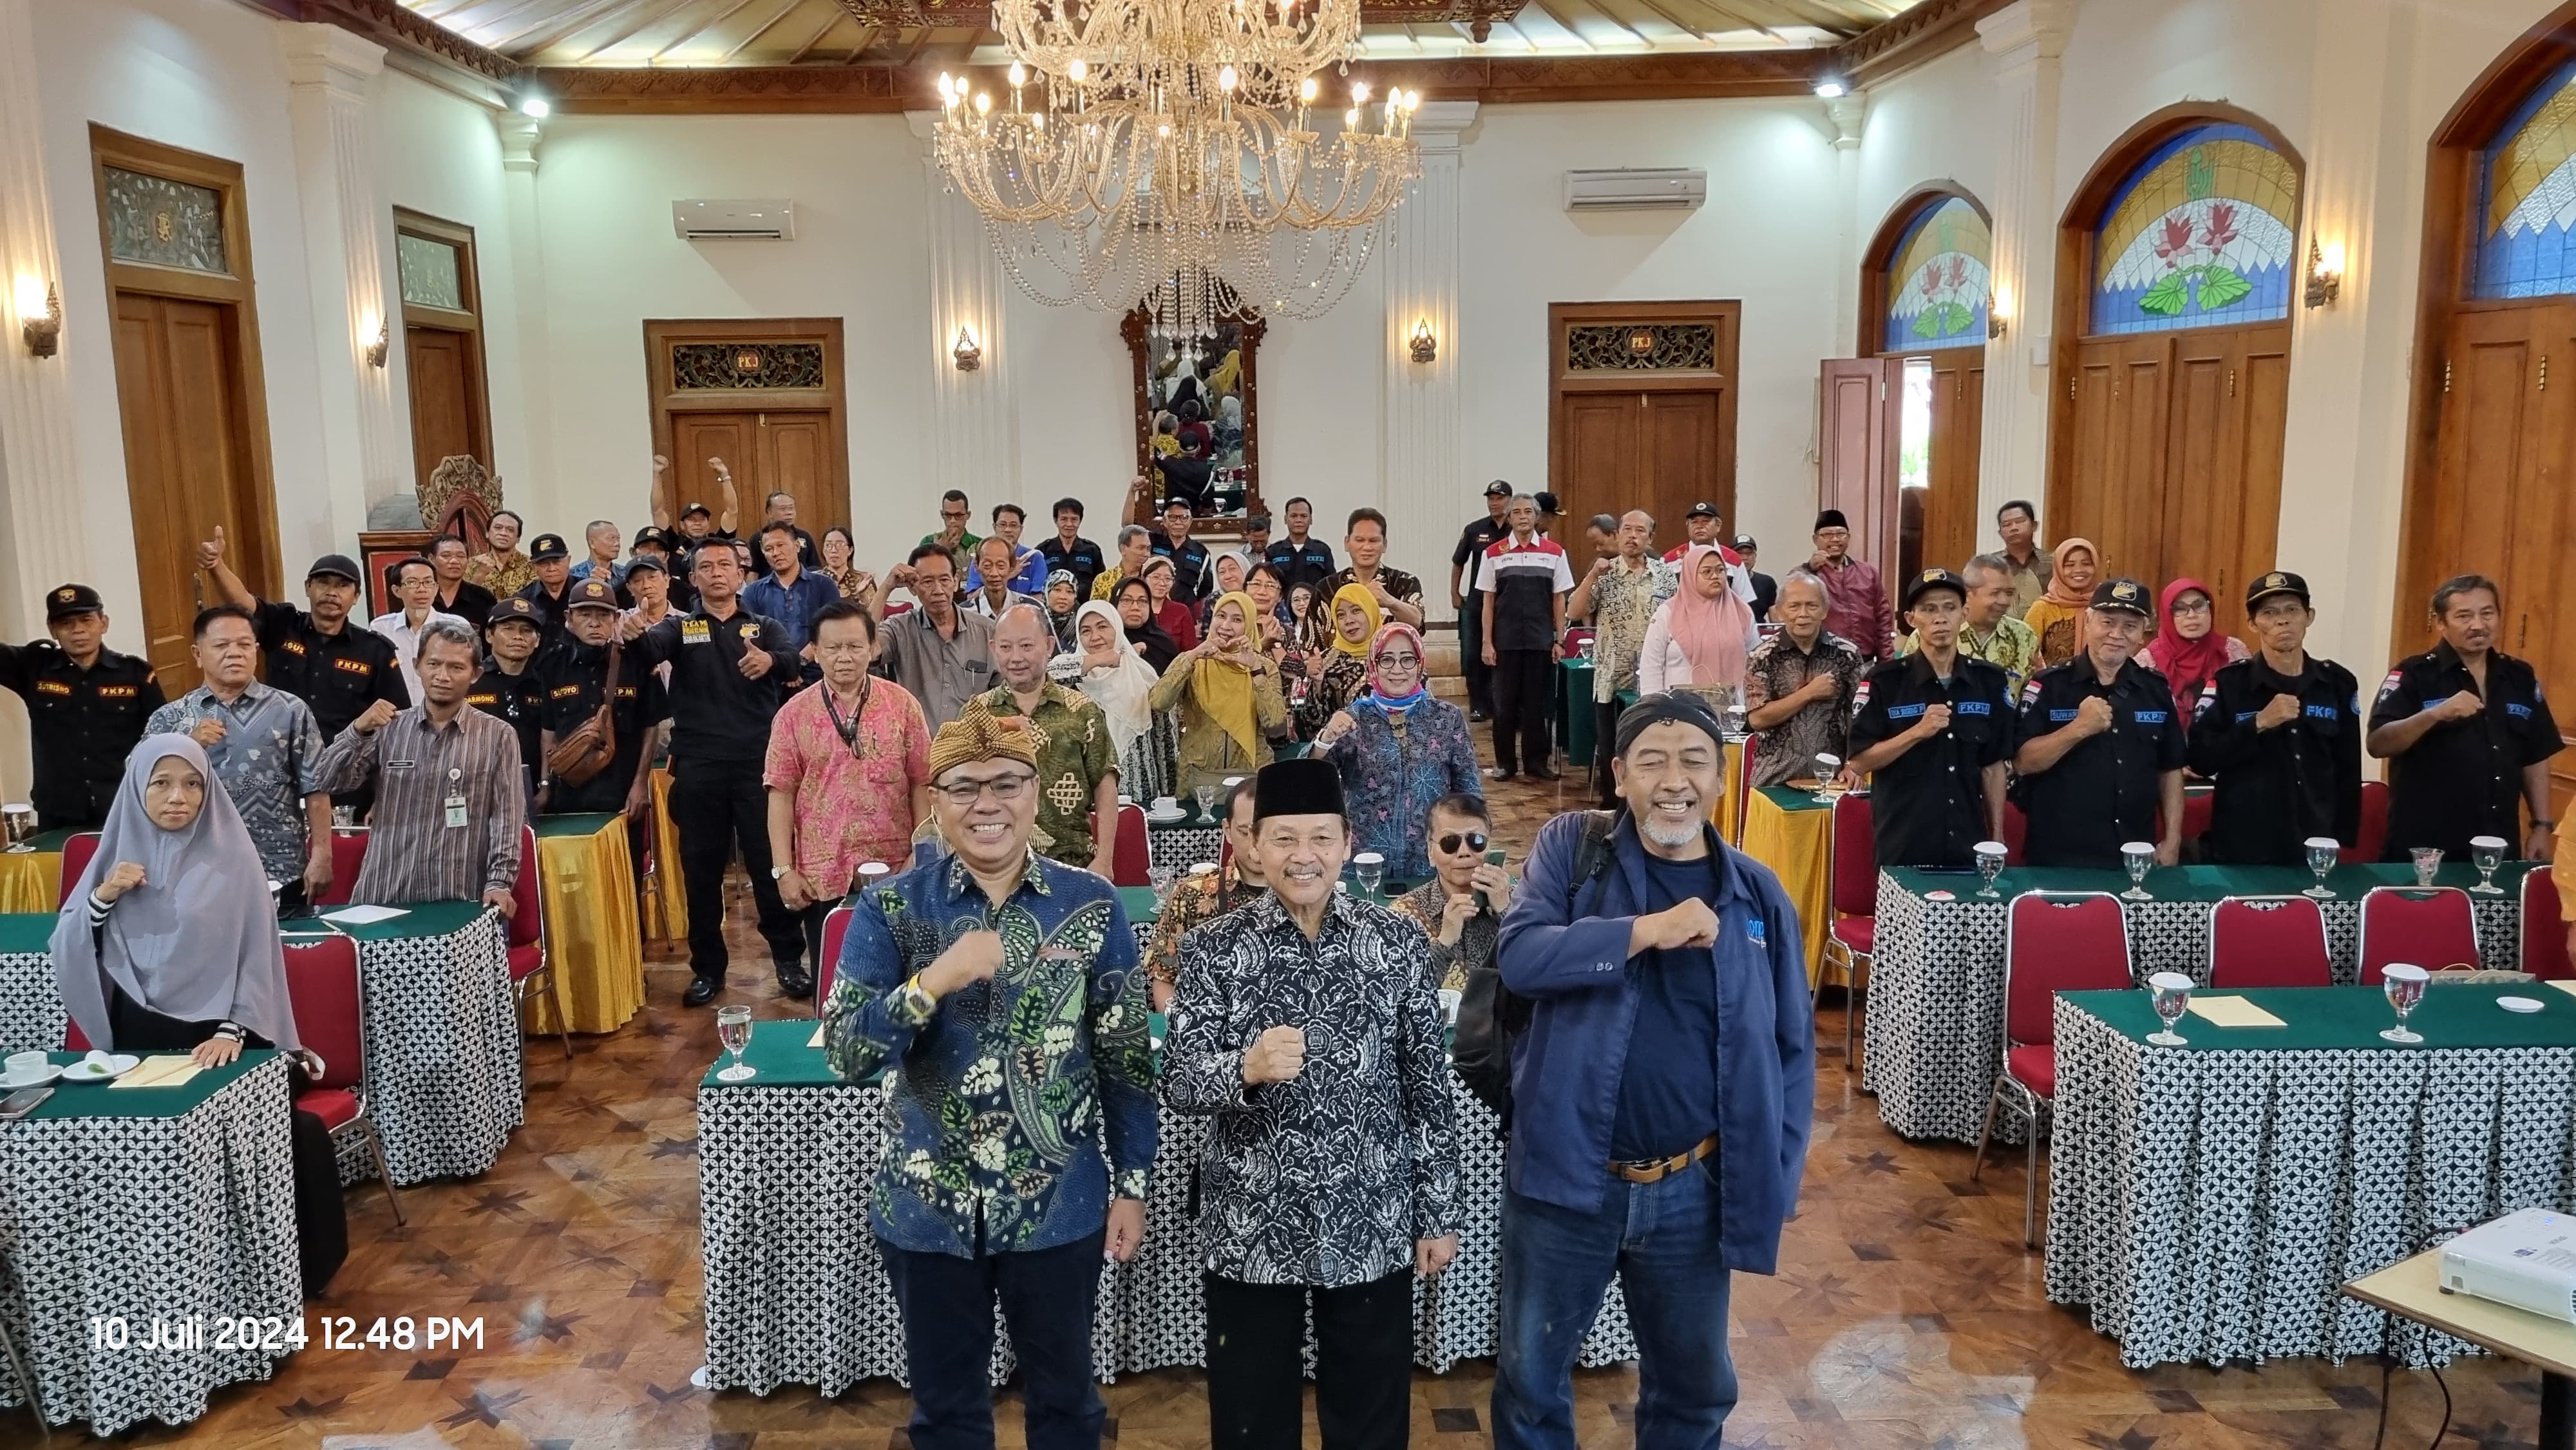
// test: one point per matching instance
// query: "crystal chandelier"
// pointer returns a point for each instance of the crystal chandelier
(1171, 147)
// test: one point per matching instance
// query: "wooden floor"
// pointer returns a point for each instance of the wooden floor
(1906, 1313)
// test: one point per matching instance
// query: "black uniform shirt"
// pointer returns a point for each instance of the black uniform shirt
(1192, 570)
(2104, 792)
(1766, 592)
(717, 716)
(572, 690)
(1297, 564)
(82, 724)
(1928, 806)
(1469, 556)
(550, 615)
(473, 604)
(2278, 787)
(1082, 559)
(2462, 778)
(518, 701)
(337, 676)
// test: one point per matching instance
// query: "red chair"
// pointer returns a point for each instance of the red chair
(836, 925)
(1131, 863)
(2268, 941)
(1744, 788)
(1852, 873)
(2373, 831)
(322, 988)
(2544, 932)
(76, 853)
(529, 963)
(348, 853)
(2054, 941)
(2430, 926)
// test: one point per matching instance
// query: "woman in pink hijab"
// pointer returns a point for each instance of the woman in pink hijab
(1700, 638)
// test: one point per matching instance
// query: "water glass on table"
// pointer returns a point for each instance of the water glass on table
(1990, 864)
(2171, 994)
(2323, 853)
(2404, 984)
(1828, 766)
(2428, 862)
(1206, 792)
(733, 1029)
(2138, 857)
(1370, 867)
(2486, 853)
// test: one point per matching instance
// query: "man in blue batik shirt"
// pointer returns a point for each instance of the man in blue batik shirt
(999, 993)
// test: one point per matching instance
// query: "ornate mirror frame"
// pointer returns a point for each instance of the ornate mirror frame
(1149, 395)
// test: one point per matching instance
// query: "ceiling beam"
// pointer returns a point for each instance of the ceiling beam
(1892, 47)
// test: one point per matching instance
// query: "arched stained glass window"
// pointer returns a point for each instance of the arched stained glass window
(1937, 278)
(2202, 234)
(2526, 239)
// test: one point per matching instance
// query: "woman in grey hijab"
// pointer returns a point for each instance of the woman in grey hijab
(169, 941)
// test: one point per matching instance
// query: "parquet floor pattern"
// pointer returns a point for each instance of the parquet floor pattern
(1906, 1315)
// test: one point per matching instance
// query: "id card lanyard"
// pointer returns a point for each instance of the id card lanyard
(455, 798)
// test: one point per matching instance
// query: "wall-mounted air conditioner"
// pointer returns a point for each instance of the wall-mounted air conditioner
(1638, 188)
(699, 220)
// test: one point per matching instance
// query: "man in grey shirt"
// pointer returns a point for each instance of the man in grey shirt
(940, 654)
(266, 750)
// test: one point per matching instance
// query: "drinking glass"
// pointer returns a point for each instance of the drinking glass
(733, 1029)
(1203, 868)
(1990, 864)
(2405, 987)
(1735, 717)
(1206, 793)
(21, 826)
(2323, 852)
(1161, 877)
(1828, 765)
(2428, 860)
(2138, 858)
(2171, 995)
(1370, 867)
(2486, 853)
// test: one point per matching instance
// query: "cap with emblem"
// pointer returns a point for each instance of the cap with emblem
(2123, 596)
(2276, 582)
(647, 564)
(1701, 510)
(1931, 579)
(1498, 489)
(591, 594)
(334, 565)
(1744, 542)
(697, 508)
(653, 536)
(72, 601)
(548, 546)
(514, 610)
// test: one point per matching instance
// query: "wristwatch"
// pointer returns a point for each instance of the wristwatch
(779, 873)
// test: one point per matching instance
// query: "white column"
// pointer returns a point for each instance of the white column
(974, 423)
(330, 76)
(1423, 490)
(2025, 40)
(43, 531)
(1849, 115)
(528, 307)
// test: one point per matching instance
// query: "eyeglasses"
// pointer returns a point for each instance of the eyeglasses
(2186, 606)
(1003, 788)
(1402, 662)
(1454, 842)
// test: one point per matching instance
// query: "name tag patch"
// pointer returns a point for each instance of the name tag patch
(2149, 717)
(116, 692)
(52, 687)
(2519, 712)
(359, 668)
(2060, 717)
(1974, 707)
(693, 631)
(565, 692)
(1904, 712)
(2323, 712)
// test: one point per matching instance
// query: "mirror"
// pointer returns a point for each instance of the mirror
(1197, 420)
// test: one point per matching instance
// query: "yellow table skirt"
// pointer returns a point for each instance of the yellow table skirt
(31, 881)
(1729, 828)
(587, 882)
(1789, 832)
(666, 901)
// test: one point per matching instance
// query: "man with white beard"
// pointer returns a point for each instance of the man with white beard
(1633, 936)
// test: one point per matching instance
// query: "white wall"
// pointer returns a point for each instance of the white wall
(1935, 123)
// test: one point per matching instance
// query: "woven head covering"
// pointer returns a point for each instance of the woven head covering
(977, 735)
(1378, 695)
(1359, 597)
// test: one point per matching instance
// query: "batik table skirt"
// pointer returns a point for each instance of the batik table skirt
(31, 1005)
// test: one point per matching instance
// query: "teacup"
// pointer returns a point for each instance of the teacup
(1449, 999)
(1164, 805)
(24, 1065)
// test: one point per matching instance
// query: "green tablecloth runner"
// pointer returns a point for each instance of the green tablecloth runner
(22, 932)
(2349, 1019)
(419, 918)
(585, 823)
(2206, 883)
(1793, 799)
(778, 1052)
(97, 1100)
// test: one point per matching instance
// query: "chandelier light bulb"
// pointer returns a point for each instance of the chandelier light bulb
(1359, 93)
(1307, 90)
(1227, 80)
(1077, 70)
(983, 103)
(1351, 119)
(1019, 74)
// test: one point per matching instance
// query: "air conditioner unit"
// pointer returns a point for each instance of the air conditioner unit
(699, 220)
(1639, 188)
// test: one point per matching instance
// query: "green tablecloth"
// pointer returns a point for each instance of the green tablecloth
(27, 931)
(96, 1100)
(2208, 883)
(418, 919)
(580, 823)
(778, 1052)
(2350, 1019)
(1575, 718)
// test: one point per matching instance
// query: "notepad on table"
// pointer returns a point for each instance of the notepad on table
(2567, 987)
(2232, 1012)
(155, 1072)
(364, 915)
(817, 1039)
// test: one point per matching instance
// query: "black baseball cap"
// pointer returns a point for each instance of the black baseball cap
(697, 508)
(71, 601)
(1498, 489)
(339, 564)
(2124, 596)
(1546, 502)
(1744, 542)
(647, 563)
(548, 546)
(2277, 582)
(650, 535)
(1931, 579)
(1701, 510)
(514, 609)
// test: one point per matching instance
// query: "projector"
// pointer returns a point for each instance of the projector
(2526, 1259)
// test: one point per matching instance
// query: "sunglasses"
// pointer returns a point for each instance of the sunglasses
(1454, 842)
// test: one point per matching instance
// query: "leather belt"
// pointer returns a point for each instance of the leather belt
(1656, 1170)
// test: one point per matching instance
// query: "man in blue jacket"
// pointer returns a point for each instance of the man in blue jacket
(1661, 1094)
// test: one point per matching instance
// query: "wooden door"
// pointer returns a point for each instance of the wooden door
(1678, 454)
(768, 452)
(446, 393)
(2118, 451)
(1600, 471)
(1859, 430)
(179, 391)
(2222, 520)
(1958, 414)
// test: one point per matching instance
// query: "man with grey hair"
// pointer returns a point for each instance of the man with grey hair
(1991, 632)
(1135, 546)
(1618, 595)
(446, 822)
(1523, 582)
(1799, 684)
(1077, 780)
(604, 542)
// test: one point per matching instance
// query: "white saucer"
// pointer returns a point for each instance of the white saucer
(1161, 820)
(98, 1069)
(11, 1082)
(2518, 1004)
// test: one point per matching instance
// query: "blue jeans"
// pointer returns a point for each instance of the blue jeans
(1661, 1239)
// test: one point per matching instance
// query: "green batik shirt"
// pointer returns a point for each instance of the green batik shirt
(1074, 755)
(2013, 648)
(998, 1097)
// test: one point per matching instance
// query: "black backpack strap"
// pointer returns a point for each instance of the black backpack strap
(1592, 856)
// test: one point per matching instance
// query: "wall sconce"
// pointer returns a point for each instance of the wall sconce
(40, 311)
(382, 343)
(969, 354)
(1998, 313)
(1425, 347)
(2325, 274)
